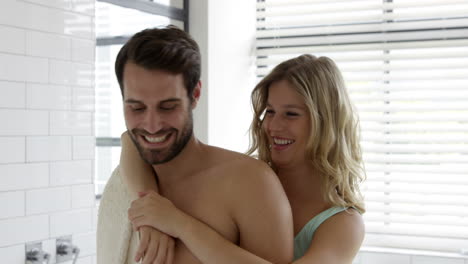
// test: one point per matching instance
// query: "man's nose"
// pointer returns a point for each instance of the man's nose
(152, 122)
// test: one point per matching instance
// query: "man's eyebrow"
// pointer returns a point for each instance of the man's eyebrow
(170, 100)
(132, 101)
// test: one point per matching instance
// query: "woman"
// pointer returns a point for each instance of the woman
(305, 128)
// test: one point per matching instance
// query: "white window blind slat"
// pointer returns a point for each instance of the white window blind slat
(406, 68)
(417, 168)
(362, 38)
(423, 243)
(413, 137)
(422, 158)
(446, 231)
(398, 11)
(437, 199)
(451, 86)
(410, 148)
(361, 28)
(279, 50)
(384, 5)
(432, 178)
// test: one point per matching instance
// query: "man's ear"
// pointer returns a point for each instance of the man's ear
(196, 94)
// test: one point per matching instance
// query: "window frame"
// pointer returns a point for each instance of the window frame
(150, 7)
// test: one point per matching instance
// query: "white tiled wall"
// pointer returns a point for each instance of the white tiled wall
(46, 126)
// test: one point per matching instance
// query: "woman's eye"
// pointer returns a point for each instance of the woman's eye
(269, 112)
(292, 114)
(137, 109)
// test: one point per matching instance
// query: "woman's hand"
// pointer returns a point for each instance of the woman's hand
(155, 247)
(153, 210)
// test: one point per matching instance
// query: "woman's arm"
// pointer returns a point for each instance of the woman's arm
(205, 243)
(137, 175)
(154, 246)
(337, 240)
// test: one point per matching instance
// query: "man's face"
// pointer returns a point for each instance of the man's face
(158, 112)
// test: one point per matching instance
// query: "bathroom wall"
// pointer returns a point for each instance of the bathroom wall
(46, 126)
(46, 119)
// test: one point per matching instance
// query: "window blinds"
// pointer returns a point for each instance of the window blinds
(406, 68)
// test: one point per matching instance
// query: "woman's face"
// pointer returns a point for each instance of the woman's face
(286, 124)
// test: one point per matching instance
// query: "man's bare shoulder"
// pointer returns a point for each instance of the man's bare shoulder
(257, 204)
(244, 176)
(223, 159)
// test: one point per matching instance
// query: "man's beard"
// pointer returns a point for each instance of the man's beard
(155, 157)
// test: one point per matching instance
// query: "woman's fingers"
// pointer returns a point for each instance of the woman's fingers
(170, 251)
(152, 250)
(144, 241)
(163, 243)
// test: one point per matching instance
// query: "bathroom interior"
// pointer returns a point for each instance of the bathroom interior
(406, 68)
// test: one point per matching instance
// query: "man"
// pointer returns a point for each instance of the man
(241, 198)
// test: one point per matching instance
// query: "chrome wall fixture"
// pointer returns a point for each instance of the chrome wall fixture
(35, 254)
(66, 250)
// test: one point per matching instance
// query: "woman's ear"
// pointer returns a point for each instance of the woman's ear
(196, 94)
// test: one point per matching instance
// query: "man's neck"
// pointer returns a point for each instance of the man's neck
(184, 164)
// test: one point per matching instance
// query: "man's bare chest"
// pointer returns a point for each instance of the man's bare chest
(208, 206)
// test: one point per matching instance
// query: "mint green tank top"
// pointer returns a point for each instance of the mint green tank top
(304, 238)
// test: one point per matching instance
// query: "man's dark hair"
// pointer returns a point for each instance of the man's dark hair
(169, 49)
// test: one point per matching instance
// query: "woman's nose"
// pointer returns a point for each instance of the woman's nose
(275, 123)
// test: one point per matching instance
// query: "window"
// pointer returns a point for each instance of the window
(116, 22)
(406, 67)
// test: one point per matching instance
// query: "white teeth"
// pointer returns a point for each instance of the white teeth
(155, 139)
(282, 141)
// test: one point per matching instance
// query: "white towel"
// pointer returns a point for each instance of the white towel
(114, 231)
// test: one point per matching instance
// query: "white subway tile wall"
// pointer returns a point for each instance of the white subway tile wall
(83, 50)
(16, 40)
(13, 254)
(23, 176)
(23, 122)
(48, 97)
(71, 123)
(48, 45)
(11, 204)
(48, 200)
(49, 246)
(46, 126)
(71, 172)
(86, 242)
(83, 99)
(13, 94)
(83, 196)
(12, 149)
(71, 222)
(23, 68)
(48, 148)
(18, 230)
(83, 147)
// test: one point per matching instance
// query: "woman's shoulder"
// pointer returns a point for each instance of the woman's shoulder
(343, 222)
(345, 228)
(338, 239)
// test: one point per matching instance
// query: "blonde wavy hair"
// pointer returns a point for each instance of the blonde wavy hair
(333, 146)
